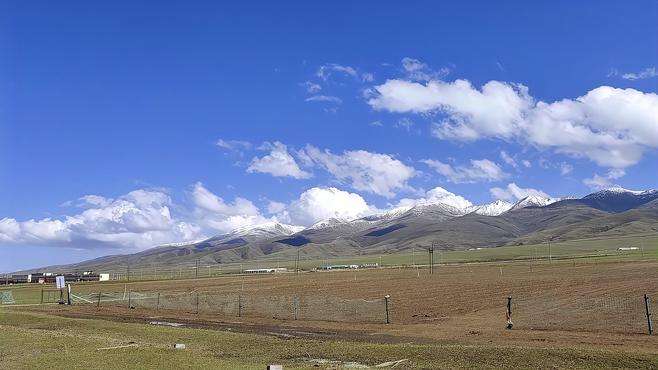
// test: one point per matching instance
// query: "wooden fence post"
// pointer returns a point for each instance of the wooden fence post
(386, 298)
(509, 313)
(157, 305)
(98, 304)
(648, 313)
(129, 294)
(41, 295)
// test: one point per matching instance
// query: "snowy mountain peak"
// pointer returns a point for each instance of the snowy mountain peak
(492, 209)
(330, 222)
(534, 201)
(267, 228)
(618, 190)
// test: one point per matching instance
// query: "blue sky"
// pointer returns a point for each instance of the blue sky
(381, 101)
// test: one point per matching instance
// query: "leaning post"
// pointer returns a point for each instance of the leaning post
(509, 313)
(648, 313)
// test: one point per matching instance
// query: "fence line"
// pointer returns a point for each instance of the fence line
(326, 308)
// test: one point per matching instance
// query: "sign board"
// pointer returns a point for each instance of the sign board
(60, 282)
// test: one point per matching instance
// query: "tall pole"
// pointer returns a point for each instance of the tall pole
(128, 271)
(431, 256)
(648, 313)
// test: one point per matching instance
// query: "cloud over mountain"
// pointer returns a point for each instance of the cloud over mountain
(611, 126)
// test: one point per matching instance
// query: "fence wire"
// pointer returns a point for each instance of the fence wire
(605, 313)
(325, 308)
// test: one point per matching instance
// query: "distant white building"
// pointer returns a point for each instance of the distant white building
(627, 248)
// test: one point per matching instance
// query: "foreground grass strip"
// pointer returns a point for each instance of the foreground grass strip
(31, 340)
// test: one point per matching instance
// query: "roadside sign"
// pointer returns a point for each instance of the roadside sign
(60, 282)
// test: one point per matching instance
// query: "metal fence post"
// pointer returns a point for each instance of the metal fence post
(129, 294)
(386, 298)
(509, 313)
(98, 304)
(648, 313)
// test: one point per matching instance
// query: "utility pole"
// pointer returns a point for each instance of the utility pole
(431, 257)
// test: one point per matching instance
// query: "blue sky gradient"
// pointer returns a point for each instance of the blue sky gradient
(106, 99)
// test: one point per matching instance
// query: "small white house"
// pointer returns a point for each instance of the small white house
(103, 277)
(627, 248)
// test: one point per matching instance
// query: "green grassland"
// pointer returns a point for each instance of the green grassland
(36, 340)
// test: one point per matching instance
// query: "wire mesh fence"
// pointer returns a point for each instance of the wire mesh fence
(604, 313)
(324, 308)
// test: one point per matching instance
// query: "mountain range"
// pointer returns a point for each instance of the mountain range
(534, 219)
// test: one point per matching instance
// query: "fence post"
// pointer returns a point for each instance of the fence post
(157, 305)
(197, 303)
(41, 295)
(509, 313)
(129, 294)
(386, 298)
(98, 304)
(648, 313)
(295, 307)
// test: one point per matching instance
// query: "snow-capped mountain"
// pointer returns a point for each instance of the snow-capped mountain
(491, 209)
(533, 201)
(616, 191)
(266, 229)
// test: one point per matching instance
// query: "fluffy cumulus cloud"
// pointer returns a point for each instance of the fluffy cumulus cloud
(479, 170)
(613, 127)
(278, 163)
(513, 192)
(508, 159)
(318, 203)
(141, 218)
(437, 195)
(375, 173)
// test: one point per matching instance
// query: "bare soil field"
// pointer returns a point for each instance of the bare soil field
(558, 305)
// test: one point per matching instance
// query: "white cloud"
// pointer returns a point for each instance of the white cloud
(233, 145)
(513, 192)
(565, 168)
(598, 182)
(405, 124)
(325, 71)
(508, 159)
(526, 163)
(325, 98)
(437, 195)
(648, 72)
(138, 219)
(311, 87)
(416, 70)
(278, 163)
(610, 126)
(205, 200)
(275, 207)
(479, 170)
(370, 172)
(317, 204)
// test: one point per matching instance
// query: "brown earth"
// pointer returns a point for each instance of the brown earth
(554, 305)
